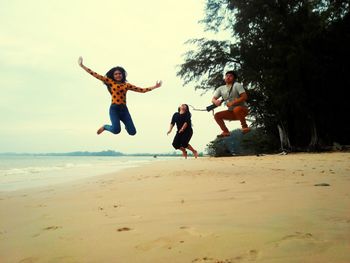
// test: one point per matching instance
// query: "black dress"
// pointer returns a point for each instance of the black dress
(182, 139)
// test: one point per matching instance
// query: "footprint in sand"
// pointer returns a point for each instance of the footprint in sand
(162, 242)
(298, 235)
(102, 209)
(322, 184)
(52, 227)
(172, 241)
(165, 242)
(250, 256)
(339, 220)
(298, 240)
(194, 232)
(28, 260)
(48, 228)
(123, 229)
(204, 259)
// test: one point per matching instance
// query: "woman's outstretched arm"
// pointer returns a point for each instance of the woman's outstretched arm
(143, 90)
(102, 78)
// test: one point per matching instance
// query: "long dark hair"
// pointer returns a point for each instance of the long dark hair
(187, 113)
(110, 75)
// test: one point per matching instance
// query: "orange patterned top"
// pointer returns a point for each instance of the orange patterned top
(117, 90)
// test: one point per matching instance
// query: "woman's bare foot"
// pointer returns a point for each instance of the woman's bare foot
(184, 153)
(100, 130)
(195, 154)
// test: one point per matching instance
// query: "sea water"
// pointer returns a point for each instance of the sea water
(20, 172)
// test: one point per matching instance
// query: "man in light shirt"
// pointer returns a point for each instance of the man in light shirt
(235, 98)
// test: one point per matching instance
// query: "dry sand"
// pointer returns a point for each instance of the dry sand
(237, 209)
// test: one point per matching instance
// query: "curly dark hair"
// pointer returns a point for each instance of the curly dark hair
(110, 75)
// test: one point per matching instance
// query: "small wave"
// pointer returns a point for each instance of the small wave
(40, 169)
(74, 165)
(29, 170)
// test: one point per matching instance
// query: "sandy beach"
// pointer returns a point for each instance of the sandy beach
(271, 208)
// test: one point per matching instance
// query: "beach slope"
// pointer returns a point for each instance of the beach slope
(273, 208)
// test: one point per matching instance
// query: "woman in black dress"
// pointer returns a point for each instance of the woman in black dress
(182, 119)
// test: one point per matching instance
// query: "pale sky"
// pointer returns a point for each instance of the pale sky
(49, 104)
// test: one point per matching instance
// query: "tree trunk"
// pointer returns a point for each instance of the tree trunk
(313, 145)
(284, 139)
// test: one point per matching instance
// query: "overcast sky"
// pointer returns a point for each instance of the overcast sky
(49, 104)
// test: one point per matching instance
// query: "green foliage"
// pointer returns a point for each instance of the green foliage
(291, 58)
(257, 141)
(205, 66)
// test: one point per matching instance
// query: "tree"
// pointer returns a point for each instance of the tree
(290, 56)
